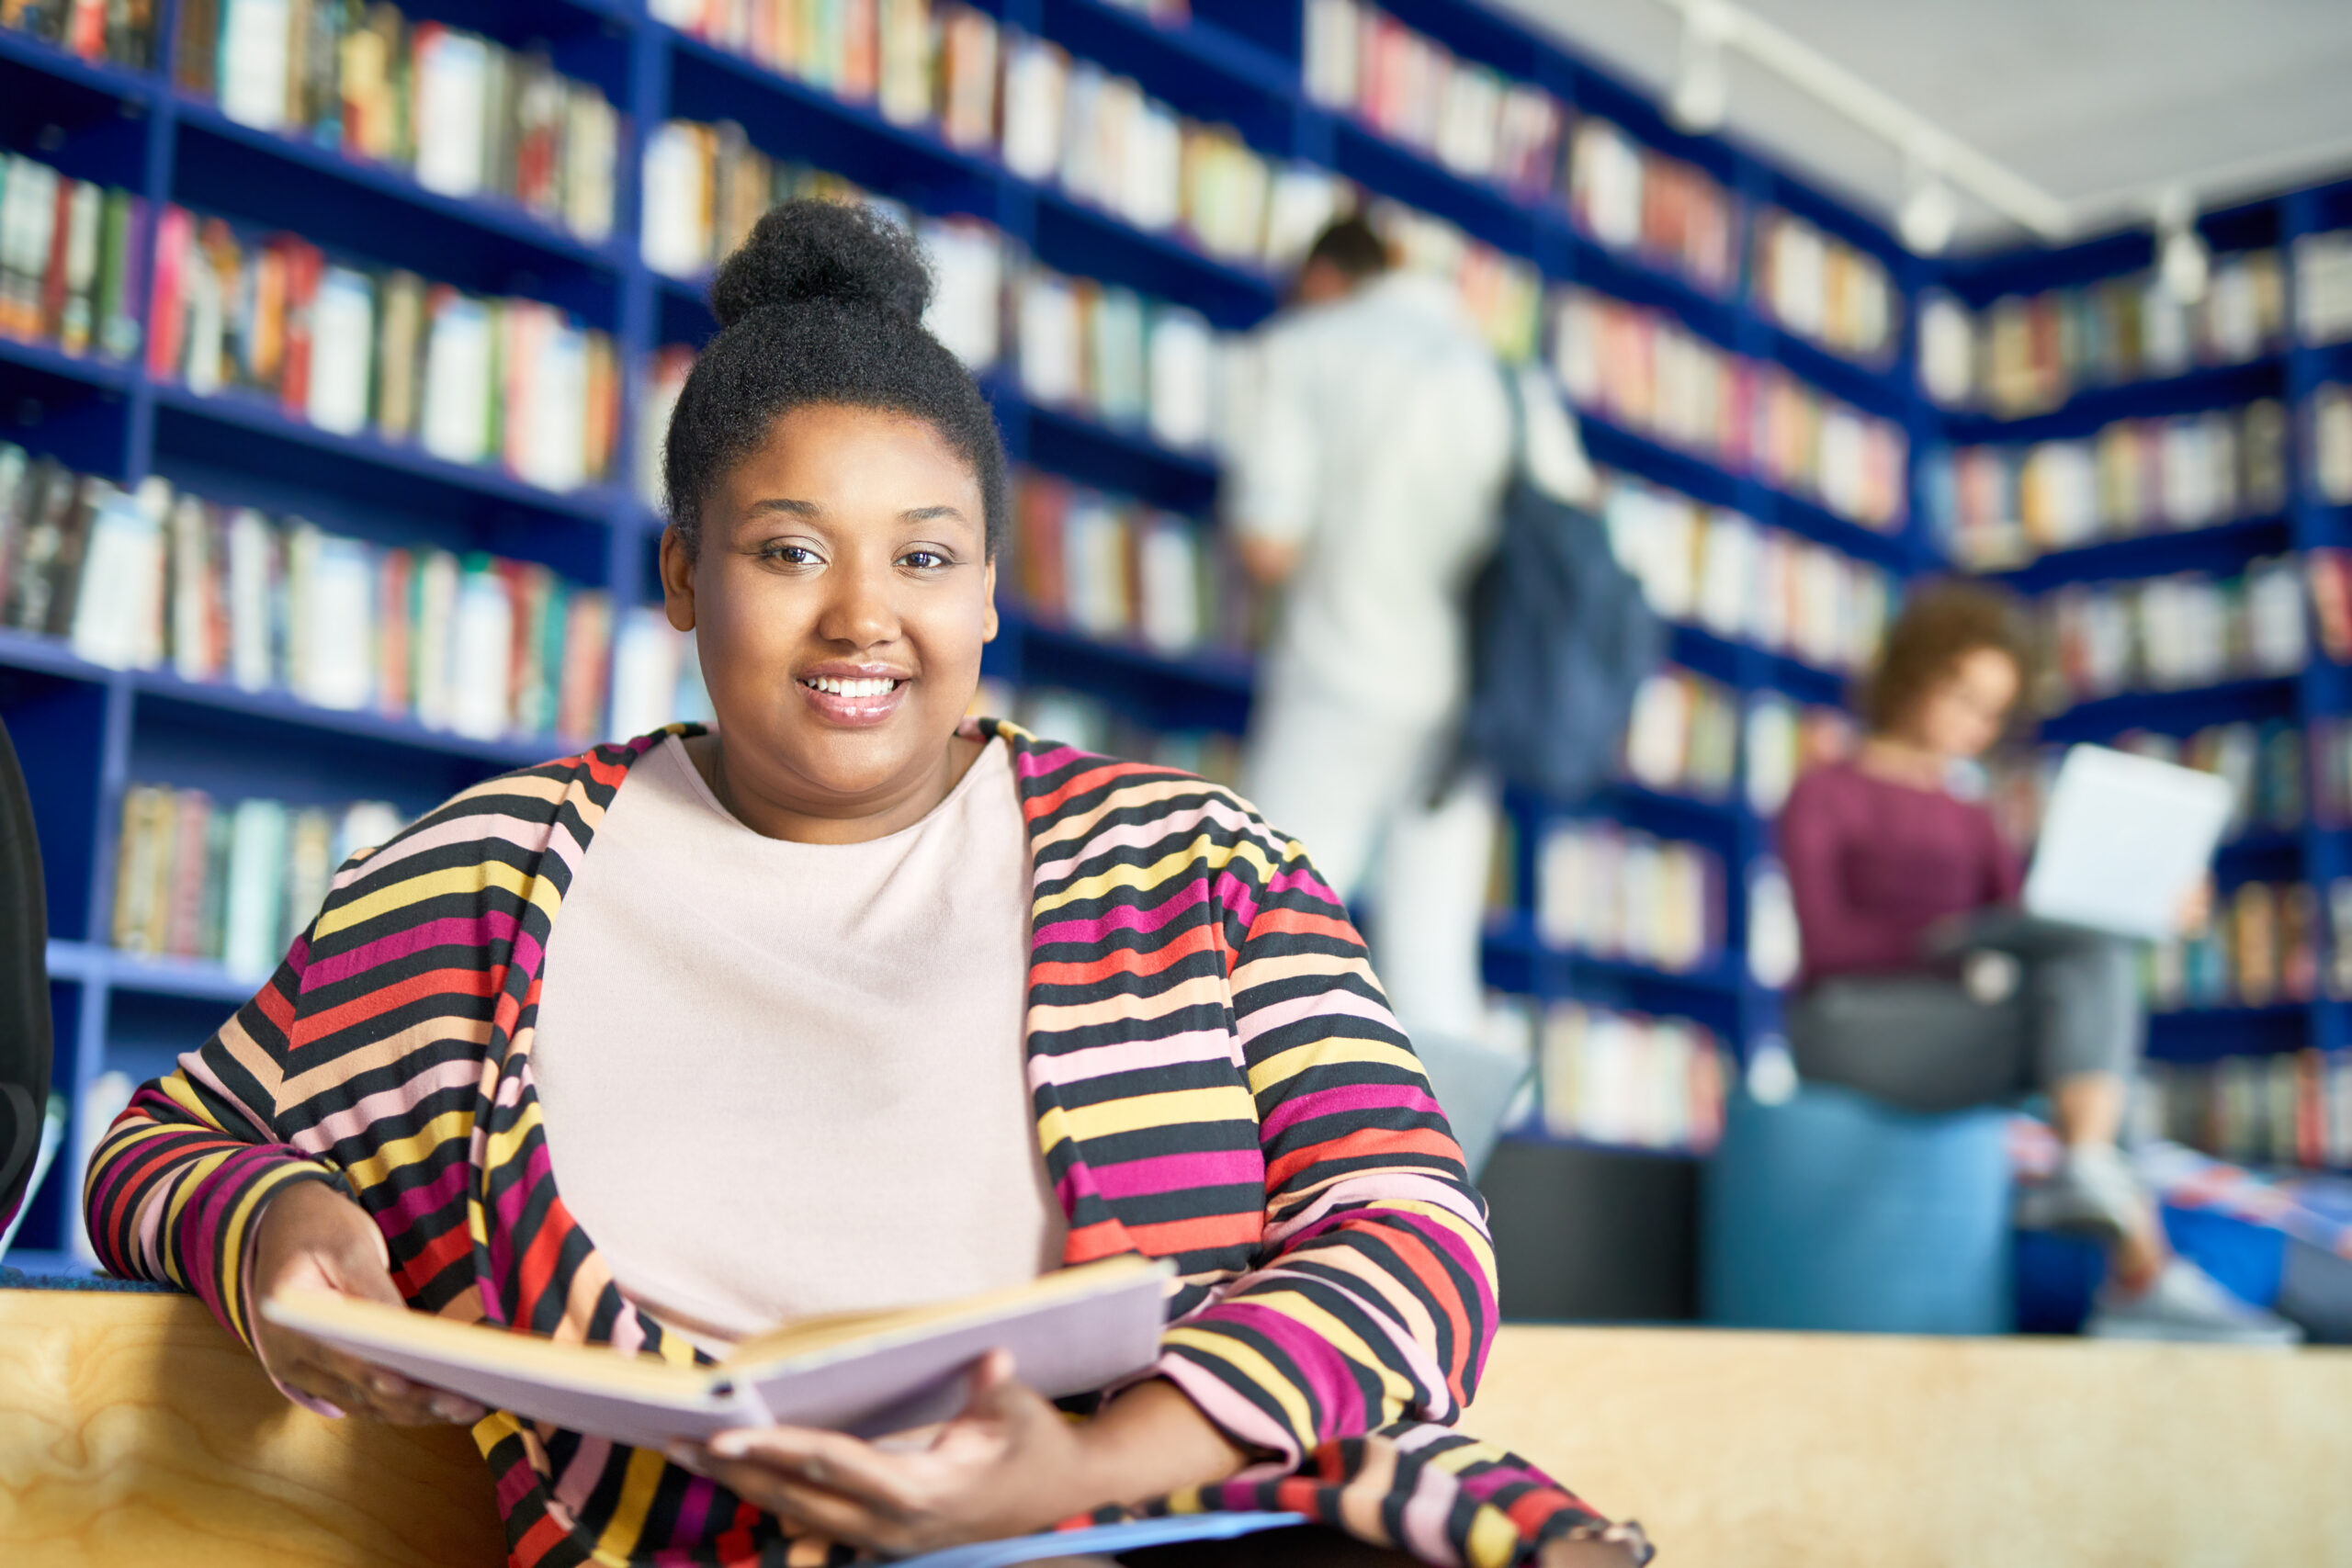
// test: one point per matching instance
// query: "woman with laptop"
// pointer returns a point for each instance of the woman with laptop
(1924, 986)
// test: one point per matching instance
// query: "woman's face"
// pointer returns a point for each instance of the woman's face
(839, 601)
(1961, 714)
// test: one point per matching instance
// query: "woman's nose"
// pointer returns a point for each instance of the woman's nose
(859, 611)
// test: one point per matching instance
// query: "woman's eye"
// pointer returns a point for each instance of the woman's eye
(924, 560)
(790, 555)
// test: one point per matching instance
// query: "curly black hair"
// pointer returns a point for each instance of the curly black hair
(822, 304)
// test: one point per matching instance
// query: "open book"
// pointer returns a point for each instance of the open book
(867, 1373)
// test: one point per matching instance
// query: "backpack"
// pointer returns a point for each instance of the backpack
(1560, 640)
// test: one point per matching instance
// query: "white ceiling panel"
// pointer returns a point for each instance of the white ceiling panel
(2098, 103)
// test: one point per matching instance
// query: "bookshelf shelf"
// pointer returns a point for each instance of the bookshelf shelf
(2223, 547)
(432, 480)
(1193, 63)
(2209, 386)
(132, 87)
(2204, 1034)
(404, 199)
(189, 978)
(49, 657)
(2265, 696)
(105, 375)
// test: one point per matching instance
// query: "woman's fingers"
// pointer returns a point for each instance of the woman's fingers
(843, 1465)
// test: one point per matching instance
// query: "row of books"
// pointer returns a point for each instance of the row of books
(1049, 117)
(2261, 946)
(1672, 215)
(1683, 735)
(657, 675)
(1615, 894)
(1487, 127)
(2329, 781)
(95, 31)
(2024, 354)
(231, 883)
(2330, 443)
(1606, 1077)
(350, 347)
(1118, 570)
(1999, 506)
(2175, 632)
(2328, 571)
(1713, 567)
(2264, 763)
(918, 63)
(467, 117)
(1783, 739)
(1109, 353)
(705, 185)
(1640, 368)
(1091, 724)
(476, 645)
(2323, 286)
(70, 257)
(1822, 289)
(2291, 1108)
(1411, 89)
(1501, 295)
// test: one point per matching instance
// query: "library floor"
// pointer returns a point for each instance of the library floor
(1753, 1450)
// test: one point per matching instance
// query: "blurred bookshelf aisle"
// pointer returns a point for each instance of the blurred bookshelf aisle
(336, 346)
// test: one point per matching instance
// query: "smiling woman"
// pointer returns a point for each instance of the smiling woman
(855, 1003)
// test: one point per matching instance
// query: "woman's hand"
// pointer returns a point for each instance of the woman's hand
(312, 1238)
(1010, 1464)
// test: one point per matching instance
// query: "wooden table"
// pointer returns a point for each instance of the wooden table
(132, 1431)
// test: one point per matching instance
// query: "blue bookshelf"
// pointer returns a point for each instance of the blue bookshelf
(87, 733)
(2317, 853)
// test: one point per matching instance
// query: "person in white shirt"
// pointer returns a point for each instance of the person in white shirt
(1366, 466)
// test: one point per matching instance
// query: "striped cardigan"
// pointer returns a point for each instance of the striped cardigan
(1216, 1076)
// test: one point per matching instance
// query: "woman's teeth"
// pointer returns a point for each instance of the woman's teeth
(840, 686)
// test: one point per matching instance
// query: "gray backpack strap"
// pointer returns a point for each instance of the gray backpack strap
(1515, 399)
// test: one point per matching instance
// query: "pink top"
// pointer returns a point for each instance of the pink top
(1873, 863)
(741, 1039)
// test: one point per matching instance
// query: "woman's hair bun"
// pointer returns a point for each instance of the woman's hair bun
(809, 250)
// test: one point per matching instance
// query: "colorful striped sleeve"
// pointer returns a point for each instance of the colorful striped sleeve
(1374, 1298)
(176, 1188)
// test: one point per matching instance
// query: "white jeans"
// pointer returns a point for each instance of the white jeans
(1354, 790)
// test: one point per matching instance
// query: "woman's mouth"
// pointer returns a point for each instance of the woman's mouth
(854, 699)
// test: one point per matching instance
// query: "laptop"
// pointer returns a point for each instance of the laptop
(2124, 840)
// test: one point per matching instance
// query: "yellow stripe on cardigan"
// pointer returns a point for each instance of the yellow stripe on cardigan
(1284, 1066)
(236, 1238)
(1396, 1389)
(389, 1156)
(1493, 1540)
(627, 1521)
(1135, 1113)
(488, 872)
(1257, 1373)
(1201, 851)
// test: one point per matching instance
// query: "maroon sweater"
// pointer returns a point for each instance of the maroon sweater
(1873, 863)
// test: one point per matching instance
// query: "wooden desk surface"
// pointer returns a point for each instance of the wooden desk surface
(133, 1431)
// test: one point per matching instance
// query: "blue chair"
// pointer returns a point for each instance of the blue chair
(1832, 1210)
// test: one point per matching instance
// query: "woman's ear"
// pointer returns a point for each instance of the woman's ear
(677, 579)
(988, 615)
